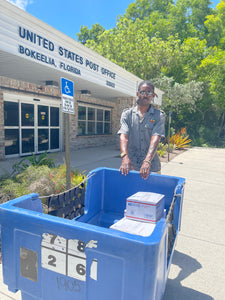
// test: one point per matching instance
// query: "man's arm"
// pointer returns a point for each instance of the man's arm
(126, 163)
(145, 168)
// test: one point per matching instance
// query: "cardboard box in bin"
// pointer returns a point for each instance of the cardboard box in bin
(145, 206)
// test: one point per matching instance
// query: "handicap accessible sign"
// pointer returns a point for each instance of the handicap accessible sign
(67, 96)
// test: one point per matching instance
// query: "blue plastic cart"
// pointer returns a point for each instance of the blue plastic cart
(49, 257)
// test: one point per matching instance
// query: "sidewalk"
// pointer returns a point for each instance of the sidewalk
(198, 267)
(84, 160)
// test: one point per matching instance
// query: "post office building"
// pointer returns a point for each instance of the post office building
(34, 58)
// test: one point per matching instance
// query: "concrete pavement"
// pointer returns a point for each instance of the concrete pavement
(198, 267)
(84, 160)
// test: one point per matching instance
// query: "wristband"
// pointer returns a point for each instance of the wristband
(123, 154)
(148, 161)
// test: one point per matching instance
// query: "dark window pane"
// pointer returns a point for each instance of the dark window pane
(27, 140)
(107, 129)
(107, 115)
(81, 128)
(91, 113)
(11, 113)
(91, 128)
(99, 128)
(99, 114)
(54, 112)
(42, 115)
(54, 138)
(81, 113)
(11, 141)
(42, 139)
(27, 114)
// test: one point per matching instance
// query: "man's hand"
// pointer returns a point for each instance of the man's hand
(126, 166)
(145, 169)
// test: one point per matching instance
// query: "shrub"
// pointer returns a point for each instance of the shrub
(38, 179)
(161, 153)
(180, 139)
(12, 189)
(33, 160)
(33, 173)
(161, 150)
(77, 177)
(25, 182)
(58, 178)
(162, 147)
(171, 148)
(210, 136)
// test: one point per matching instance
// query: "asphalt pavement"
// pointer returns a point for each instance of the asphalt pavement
(198, 267)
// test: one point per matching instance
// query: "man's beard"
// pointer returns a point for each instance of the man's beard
(142, 102)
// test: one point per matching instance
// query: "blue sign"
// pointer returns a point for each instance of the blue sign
(66, 87)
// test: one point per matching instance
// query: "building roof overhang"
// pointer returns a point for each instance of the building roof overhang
(33, 51)
(21, 69)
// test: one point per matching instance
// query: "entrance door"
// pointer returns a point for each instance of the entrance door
(31, 128)
(48, 128)
(43, 128)
(27, 128)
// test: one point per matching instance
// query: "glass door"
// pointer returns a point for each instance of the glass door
(48, 128)
(27, 128)
(31, 127)
(43, 128)
(54, 128)
(11, 122)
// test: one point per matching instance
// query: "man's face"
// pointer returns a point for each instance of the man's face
(145, 95)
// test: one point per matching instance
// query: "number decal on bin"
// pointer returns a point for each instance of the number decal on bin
(67, 257)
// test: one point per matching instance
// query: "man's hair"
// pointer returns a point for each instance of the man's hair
(146, 82)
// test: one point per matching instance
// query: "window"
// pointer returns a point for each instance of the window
(42, 115)
(11, 113)
(11, 119)
(11, 141)
(93, 120)
(27, 114)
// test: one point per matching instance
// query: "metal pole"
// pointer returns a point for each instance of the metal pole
(67, 151)
(169, 137)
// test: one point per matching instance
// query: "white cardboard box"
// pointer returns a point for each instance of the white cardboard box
(145, 206)
(134, 227)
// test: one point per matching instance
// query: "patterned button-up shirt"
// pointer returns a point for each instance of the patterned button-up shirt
(139, 133)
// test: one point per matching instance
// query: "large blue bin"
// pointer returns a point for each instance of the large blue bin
(48, 257)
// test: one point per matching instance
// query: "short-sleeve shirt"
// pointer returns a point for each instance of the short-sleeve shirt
(139, 133)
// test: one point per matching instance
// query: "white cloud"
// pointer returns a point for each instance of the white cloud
(21, 3)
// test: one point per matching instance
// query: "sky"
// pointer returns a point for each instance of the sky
(69, 15)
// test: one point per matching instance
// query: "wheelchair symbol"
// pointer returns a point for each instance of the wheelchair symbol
(67, 89)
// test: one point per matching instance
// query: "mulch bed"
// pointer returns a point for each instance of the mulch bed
(172, 155)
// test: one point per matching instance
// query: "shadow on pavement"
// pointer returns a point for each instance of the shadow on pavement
(174, 289)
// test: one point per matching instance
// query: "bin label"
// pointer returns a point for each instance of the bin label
(67, 257)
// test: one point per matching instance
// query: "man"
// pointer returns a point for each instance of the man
(141, 129)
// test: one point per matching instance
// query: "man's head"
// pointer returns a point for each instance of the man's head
(145, 93)
(148, 83)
